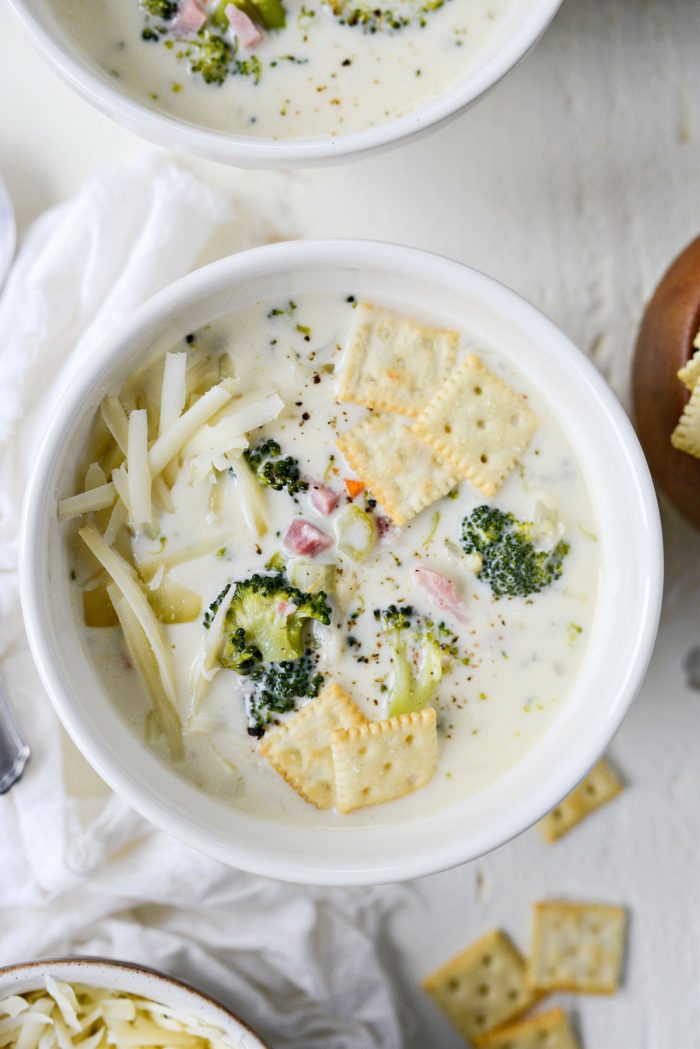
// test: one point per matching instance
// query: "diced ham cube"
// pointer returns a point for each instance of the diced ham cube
(441, 591)
(305, 539)
(323, 499)
(190, 18)
(245, 29)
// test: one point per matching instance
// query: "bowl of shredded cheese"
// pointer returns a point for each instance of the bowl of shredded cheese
(92, 1002)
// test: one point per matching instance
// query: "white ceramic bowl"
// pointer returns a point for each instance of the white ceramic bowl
(630, 548)
(131, 979)
(520, 31)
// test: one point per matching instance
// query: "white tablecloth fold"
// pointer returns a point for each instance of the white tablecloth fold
(80, 872)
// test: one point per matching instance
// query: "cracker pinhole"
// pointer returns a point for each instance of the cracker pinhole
(300, 749)
(393, 362)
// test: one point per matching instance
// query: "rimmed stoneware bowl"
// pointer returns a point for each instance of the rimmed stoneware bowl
(521, 29)
(131, 979)
(629, 591)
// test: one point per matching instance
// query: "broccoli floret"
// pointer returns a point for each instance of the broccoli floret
(264, 640)
(394, 617)
(277, 688)
(210, 56)
(512, 564)
(163, 9)
(275, 470)
(419, 657)
(258, 618)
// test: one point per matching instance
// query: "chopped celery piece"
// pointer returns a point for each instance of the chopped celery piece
(220, 18)
(355, 533)
(414, 689)
(271, 13)
(419, 657)
(311, 577)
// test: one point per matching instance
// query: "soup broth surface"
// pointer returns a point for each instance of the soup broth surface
(315, 77)
(515, 660)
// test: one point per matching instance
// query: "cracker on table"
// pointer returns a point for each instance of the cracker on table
(482, 987)
(393, 362)
(577, 947)
(478, 424)
(550, 1030)
(600, 786)
(300, 749)
(686, 436)
(383, 760)
(690, 372)
(401, 471)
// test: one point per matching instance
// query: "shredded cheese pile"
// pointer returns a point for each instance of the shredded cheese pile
(178, 414)
(74, 1016)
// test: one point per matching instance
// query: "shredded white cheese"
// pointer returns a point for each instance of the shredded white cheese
(206, 665)
(173, 391)
(138, 469)
(244, 414)
(145, 662)
(84, 503)
(172, 441)
(116, 421)
(124, 576)
(66, 1016)
(251, 496)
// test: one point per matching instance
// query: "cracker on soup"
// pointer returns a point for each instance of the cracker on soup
(381, 761)
(478, 424)
(393, 362)
(399, 469)
(300, 749)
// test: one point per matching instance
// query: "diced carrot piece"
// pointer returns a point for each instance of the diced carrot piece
(354, 487)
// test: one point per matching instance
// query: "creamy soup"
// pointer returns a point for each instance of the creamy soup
(318, 75)
(508, 646)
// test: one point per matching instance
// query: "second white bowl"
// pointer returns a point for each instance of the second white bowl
(129, 978)
(522, 28)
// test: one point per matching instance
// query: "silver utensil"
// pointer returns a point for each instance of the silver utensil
(14, 752)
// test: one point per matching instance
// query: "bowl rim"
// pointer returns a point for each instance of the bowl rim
(89, 961)
(401, 261)
(293, 152)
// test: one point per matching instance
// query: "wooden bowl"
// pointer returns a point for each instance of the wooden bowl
(665, 343)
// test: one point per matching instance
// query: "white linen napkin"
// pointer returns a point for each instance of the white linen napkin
(80, 872)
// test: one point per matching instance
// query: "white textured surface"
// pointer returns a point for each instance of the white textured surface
(575, 182)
